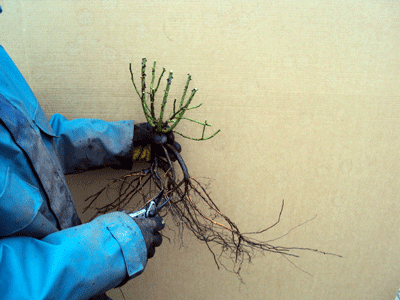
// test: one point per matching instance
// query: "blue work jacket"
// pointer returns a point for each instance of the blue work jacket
(45, 251)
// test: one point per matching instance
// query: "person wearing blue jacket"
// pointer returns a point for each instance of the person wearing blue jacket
(45, 251)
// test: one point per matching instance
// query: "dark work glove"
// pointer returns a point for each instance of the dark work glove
(150, 228)
(144, 136)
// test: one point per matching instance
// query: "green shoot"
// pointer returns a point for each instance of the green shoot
(160, 125)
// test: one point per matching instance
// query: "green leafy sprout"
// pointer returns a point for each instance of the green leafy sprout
(177, 114)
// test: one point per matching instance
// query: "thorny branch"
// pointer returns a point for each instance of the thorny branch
(176, 116)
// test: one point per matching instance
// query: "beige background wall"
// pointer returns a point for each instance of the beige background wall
(307, 94)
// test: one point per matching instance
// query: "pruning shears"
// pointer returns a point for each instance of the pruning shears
(152, 208)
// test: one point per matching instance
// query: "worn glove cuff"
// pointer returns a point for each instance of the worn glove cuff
(142, 153)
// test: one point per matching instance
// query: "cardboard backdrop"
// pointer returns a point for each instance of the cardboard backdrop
(307, 94)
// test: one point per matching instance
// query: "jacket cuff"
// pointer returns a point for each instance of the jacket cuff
(128, 240)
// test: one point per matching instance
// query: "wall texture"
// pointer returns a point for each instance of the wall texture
(307, 94)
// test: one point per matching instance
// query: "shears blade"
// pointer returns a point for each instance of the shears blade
(152, 209)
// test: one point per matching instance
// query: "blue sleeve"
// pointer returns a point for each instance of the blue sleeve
(85, 144)
(74, 263)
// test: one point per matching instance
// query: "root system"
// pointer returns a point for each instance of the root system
(191, 207)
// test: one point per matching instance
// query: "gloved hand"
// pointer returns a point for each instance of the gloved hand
(150, 228)
(144, 136)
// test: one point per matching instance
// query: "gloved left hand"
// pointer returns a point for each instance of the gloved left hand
(145, 137)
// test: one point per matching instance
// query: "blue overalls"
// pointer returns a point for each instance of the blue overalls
(45, 252)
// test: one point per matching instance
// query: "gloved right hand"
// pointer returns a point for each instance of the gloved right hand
(150, 228)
